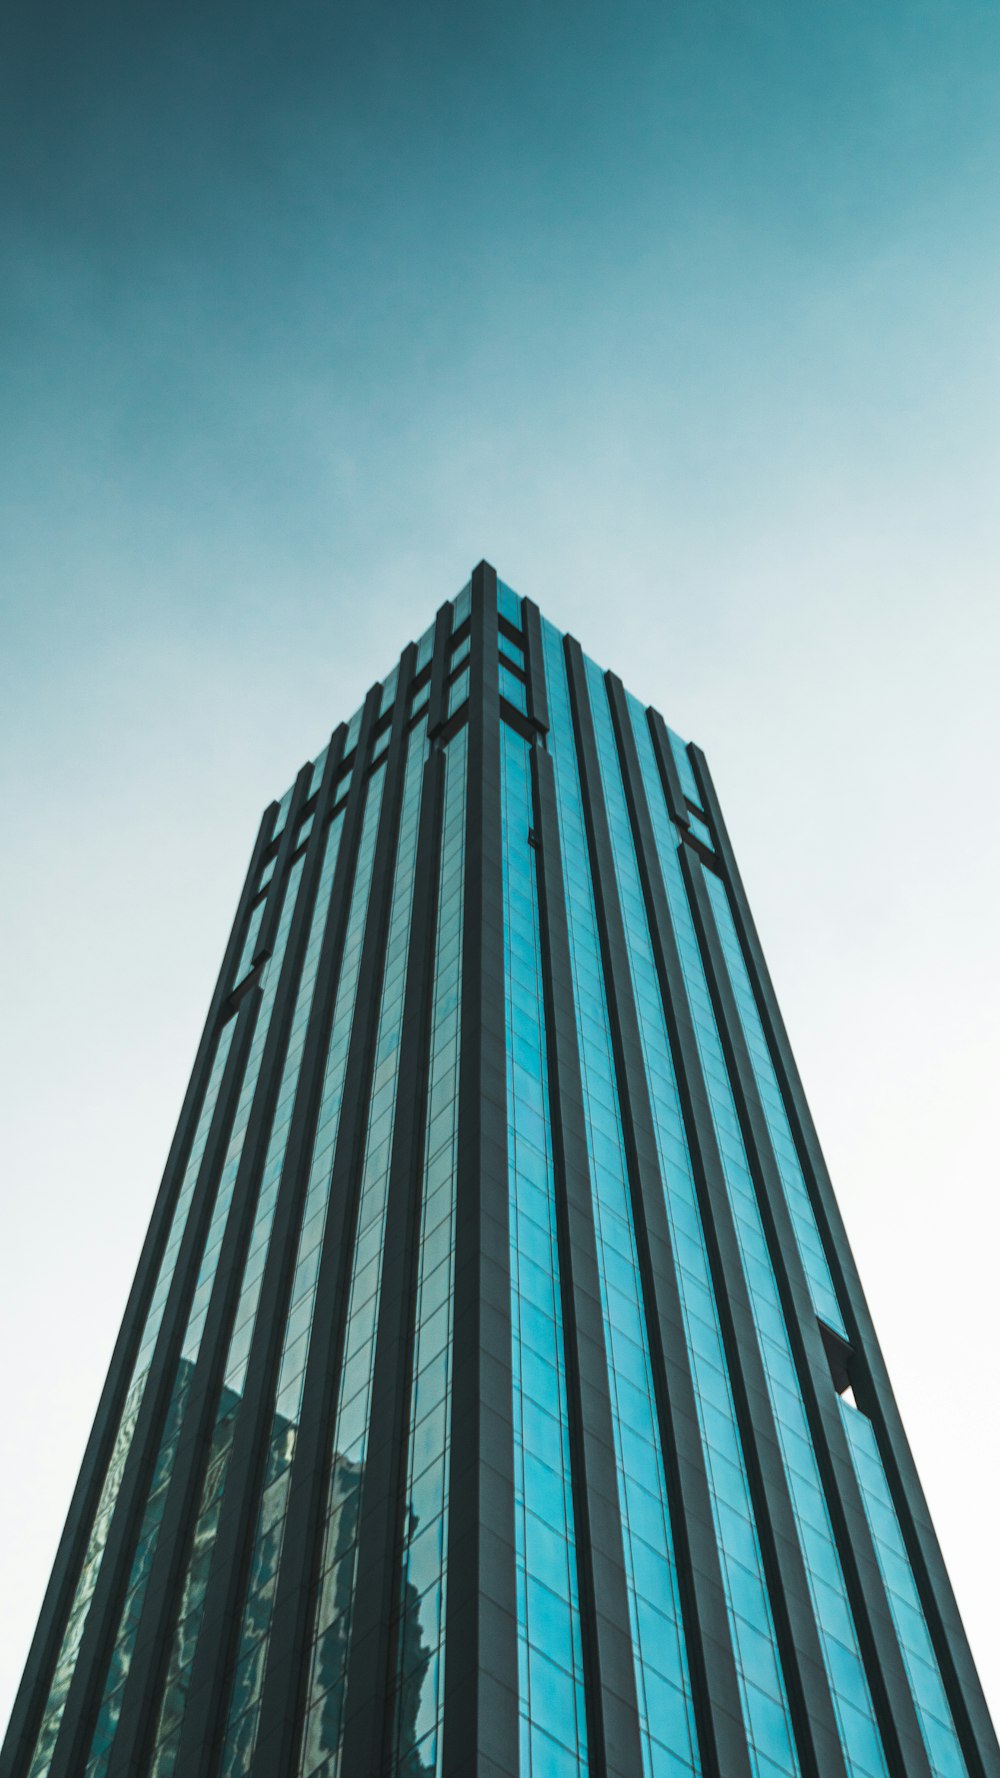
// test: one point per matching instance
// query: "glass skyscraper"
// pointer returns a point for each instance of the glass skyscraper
(497, 1395)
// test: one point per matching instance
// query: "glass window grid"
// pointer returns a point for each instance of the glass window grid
(418, 1700)
(700, 831)
(460, 653)
(666, 1718)
(934, 1715)
(282, 815)
(334, 1598)
(807, 1235)
(319, 764)
(512, 688)
(255, 1625)
(425, 649)
(509, 604)
(265, 876)
(195, 1584)
(353, 730)
(107, 1721)
(97, 1541)
(252, 934)
(685, 770)
(762, 1688)
(389, 691)
(838, 1637)
(552, 1707)
(462, 605)
(458, 691)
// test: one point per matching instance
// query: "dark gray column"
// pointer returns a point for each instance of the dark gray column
(809, 1697)
(614, 1744)
(70, 1753)
(538, 697)
(29, 1704)
(480, 1715)
(905, 1752)
(287, 1672)
(714, 1683)
(870, 1379)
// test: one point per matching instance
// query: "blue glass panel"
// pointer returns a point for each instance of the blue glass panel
(838, 1638)
(509, 604)
(661, 1668)
(762, 1691)
(418, 1701)
(685, 769)
(935, 1718)
(194, 1588)
(97, 1541)
(550, 1698)
(334, 1600)
(128, 1625)
(513, 689)
(255, 1625)
(807, 1234)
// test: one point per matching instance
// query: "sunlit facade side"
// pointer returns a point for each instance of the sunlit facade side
(497, 1397)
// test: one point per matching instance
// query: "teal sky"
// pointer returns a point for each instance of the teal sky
(688, 318)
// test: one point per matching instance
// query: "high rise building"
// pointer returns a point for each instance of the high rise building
(497, 1394)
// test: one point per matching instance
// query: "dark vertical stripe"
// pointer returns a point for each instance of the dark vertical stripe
(29, 1705)
(71, 1749)
(163, 1599)
(370, 1672)
(437, 703)
(905, 1753)
(538, 697)
(208, 1691)
(613, 1739)
(667, 765)
(714, 1684)
(809, 1697)
(869, 1376)
(287, 1672)
(480, 1711)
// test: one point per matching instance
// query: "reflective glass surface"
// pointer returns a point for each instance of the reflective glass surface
(762, 1689)
(195, 1584)
(124, 1642)
(936, 1722)
(334, 1598)
(838, 1637)
(550, 1668)
(418, 1700)
(660, 1657)
(255, 1626)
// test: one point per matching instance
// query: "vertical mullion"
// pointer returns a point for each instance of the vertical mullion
(286, 1674)
(710, 1655)
(613, 1737)
(480, 1712)
(29, 1704)
(869, 1375)
(902, 1740)
(810, 1699)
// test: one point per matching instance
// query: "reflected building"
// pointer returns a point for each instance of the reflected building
(497, 1394)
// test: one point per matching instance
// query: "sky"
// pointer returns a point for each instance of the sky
(685, 316)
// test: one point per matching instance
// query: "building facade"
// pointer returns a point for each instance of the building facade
(497, 1395)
